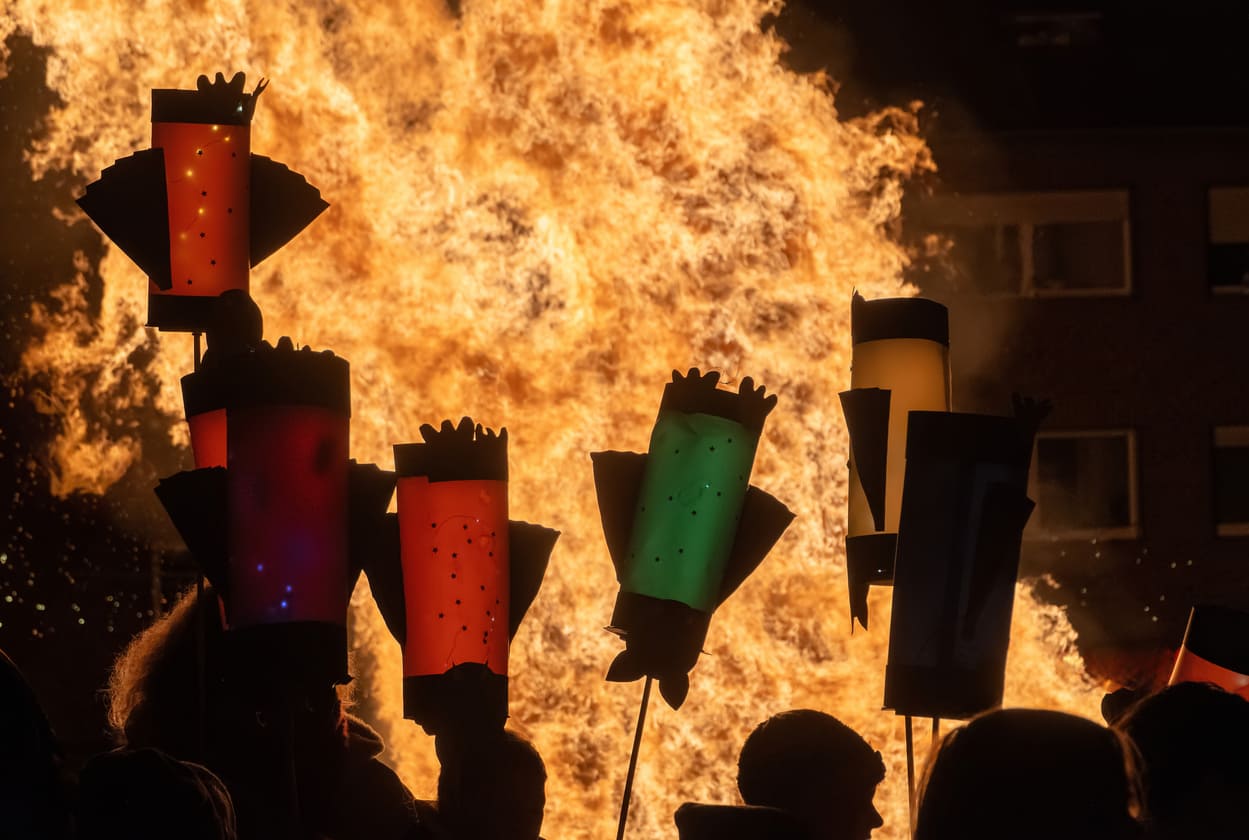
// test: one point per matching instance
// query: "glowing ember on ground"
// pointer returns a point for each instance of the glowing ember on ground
(539, 210)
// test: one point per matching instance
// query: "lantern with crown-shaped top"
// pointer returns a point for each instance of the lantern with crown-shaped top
(198, 210)
(683, 525)
(462, 576)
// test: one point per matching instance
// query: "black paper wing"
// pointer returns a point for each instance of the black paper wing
(129, 203)
(764, 518)
(529, 547)
(196, 503)
(282, 204)
(617, 482)
(383, 566)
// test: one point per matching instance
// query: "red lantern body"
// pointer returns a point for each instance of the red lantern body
(453, 537)
(208, 438)
(204, 402)
(207, 169)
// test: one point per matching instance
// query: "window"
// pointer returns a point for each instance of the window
(1084, 484)
(1231, 481)
(1035, 244)
(1227, 251)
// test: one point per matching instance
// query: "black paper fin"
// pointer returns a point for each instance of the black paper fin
(196, 503)
(529, 547)
(626, 667)
(282, 204)
(763, 520)
(674, 688)
(383, 567)
(867, 421)
(617, 482)
(1005, 513)
(369, 491)
(130, 205)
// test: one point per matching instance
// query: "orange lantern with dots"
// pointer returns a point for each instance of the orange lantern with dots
(466, 576)
(198, 209)
(1215, 649)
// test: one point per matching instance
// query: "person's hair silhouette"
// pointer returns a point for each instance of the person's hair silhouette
(814, 767)
(1193, 739)
(287, 751)
(1030, 775)
(492, 787)
(147, 795)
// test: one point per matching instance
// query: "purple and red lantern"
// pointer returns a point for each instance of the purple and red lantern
(273, 529)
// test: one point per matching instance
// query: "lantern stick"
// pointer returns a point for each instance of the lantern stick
(201, 683)
(633, 759)
(197, 357)
(936, 732)
(910, 774)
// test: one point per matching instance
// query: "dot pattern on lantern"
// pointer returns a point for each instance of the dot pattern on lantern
(456, 578)
(206, 177)
(698, 472)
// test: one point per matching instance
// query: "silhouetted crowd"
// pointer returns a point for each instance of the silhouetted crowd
(219, 753)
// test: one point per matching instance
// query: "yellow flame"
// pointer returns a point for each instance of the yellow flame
(539, 210)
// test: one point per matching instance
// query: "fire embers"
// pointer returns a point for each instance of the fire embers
(462, 577)
(683, 525)
(272, 531)
(198, 209)
(900, 364)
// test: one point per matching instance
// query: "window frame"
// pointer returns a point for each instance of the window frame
(1028, 210)
(1242, 289)
(1036, 532)
(1225, 529)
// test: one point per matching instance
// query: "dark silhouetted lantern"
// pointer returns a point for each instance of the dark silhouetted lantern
(683, 525)
(198, 209)
(1215, 649)
(899, 364)
(463, 577)
(964, 508)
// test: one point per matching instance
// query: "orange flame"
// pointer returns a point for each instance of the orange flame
(538, 210)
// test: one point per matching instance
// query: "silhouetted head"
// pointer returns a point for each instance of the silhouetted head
(815, 767)
(737, 822)
(1030, 775)
(1193, 739)
(491, 787)
(147, 795)
(259, 725)
(33, 798)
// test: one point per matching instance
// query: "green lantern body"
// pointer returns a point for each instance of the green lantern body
(697, 474)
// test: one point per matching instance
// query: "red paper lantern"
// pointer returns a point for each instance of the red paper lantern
(461, 579)
(198, 210)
